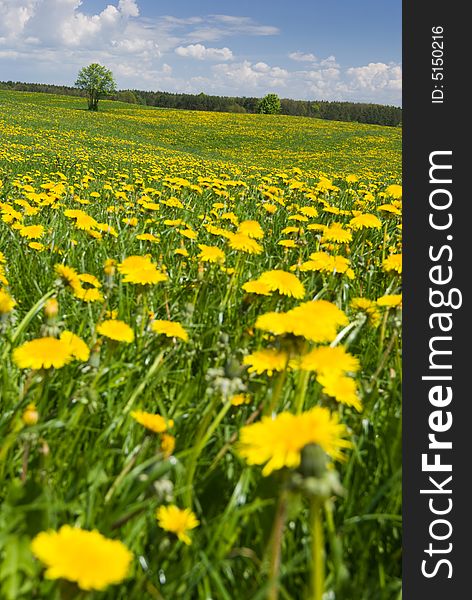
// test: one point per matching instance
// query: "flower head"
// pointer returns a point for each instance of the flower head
(269, 360)
(151, 421)
(170, 329)
(278, 442)
(211, 254)
(86, 557)
(77, 347)
(341, 388)
(325, 359)
(243, 243)
(252, 229)
(7, 303)
(116, 330)
(42, 353)
(317, 321)
(177, 520)
(365, 221)
(140, 270)
(393, 263)
(285, 283)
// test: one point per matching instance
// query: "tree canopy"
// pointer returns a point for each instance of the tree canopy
(97, 81)
(269, 105)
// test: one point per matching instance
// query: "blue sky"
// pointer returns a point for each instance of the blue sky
(319, 49)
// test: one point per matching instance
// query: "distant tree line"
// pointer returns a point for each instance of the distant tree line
(378, 114)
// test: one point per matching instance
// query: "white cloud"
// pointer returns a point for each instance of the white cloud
(128, 8)
(200, 52)
(302, 57)
(376, 76)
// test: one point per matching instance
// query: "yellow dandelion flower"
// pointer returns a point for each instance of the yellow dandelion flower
(211, 254)
(336, 233)
(153, 422)
(317, 321)
(170, 328)
(325, 359)
(369, 307)
(256, 287)
(85, 557)
(365, 221)
(7, 303)
(269, 360)
(285, 283)
(341, 388)
(167, 444)
(287, 243)
(68, 275)
(147, 237)
(394, 191)
(116, 330)
(42, 353)
(393, 263)
(32, 232)
(178, 521)
(278, 442)
(390, 300)
(140, 270)
(252, 229)
(76, 345)
(240, 399)
(243, 243)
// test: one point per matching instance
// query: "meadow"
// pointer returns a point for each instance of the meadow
(200, 341)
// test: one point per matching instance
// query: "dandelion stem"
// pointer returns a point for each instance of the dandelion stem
(317, 550)
(276, 545)
(301, 391)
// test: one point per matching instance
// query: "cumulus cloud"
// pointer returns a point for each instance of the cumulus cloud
(200, 52)
(302, 57)
(375, 76)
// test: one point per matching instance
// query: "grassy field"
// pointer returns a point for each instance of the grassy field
(200, 330)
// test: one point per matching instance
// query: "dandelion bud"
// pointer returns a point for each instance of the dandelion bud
(30, 415)
(314, 461)
(109, 267)
(167, 444)
(51, 308)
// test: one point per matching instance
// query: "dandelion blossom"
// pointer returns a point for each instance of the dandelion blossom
(42, 353)
(256, 287)
(211, 254)
(269, 360)
(116, 330)
(170, 329)
(140, 270)
(325, 359)
(151, 421)
(86, 557)
(7, 303)
(285, 283)
(178, 521)
(341, 388)
(393, 263)
(243, 243)
(77, 347)
(278, 442)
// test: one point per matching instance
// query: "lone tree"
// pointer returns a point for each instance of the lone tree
(97, 81)
(269, 105)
